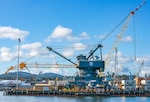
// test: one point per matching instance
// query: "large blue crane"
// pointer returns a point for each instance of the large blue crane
(88, 69)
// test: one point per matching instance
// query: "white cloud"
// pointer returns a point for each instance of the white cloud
(12, 33)
(26, 51)
(68, 53)
(34, 49)
(80, 46)
(84, 35)
(127, 39)
(61, 33)
(128, 64)
(123, 61)
(32, 46)
(102, 36)
(72, 38)
(6, 54)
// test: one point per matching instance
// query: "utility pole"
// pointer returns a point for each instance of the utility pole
(116, 60)
(18, 62)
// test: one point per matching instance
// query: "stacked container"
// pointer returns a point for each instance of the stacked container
(145, 85)
(128, 85)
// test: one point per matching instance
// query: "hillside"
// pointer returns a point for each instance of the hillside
(28, 76)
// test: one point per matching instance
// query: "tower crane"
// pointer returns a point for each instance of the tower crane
(120, 35)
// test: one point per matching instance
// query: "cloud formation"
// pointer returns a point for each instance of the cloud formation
(26, 51)
(60, 33)
(128, 64)
(6, 54)
(68, 53)
(84, 35)
(80, 46)
(127, 39)
(8, 32)
(33, 49)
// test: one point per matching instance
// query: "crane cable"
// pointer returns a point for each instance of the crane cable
(109, 33)
(134, 33)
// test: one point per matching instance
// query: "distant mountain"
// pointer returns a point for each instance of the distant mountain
(28, 76)
(50, 75)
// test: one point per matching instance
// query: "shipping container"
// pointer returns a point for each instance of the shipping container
(128, 88)
(51, 82)
(145, 82)
(128, 82)
(146, 88)
(61, 82)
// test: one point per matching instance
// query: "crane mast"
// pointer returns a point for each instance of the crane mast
(119, 36)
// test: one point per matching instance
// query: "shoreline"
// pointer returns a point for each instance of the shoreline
(74, 94)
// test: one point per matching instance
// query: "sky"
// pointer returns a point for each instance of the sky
(73, 27)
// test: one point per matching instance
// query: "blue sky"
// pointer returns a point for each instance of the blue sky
(71, 27)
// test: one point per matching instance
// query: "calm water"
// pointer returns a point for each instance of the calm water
(71, 99)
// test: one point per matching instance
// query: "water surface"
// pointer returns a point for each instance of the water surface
(70, 99)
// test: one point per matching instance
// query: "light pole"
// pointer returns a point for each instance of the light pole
(18, 62)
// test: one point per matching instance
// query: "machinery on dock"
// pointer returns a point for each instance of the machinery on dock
(89, 67)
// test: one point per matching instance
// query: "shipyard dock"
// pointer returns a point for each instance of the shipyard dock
(91, 78)
(72, 94)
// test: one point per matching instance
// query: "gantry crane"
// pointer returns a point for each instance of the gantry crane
(120, 35)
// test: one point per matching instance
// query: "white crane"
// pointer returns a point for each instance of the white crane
(120, 35)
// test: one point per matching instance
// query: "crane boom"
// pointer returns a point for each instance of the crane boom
(50, 49)
(24, 65)
(9, 69)
(140, 68)
(93, 51)
(119, 36)
(31, 65)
